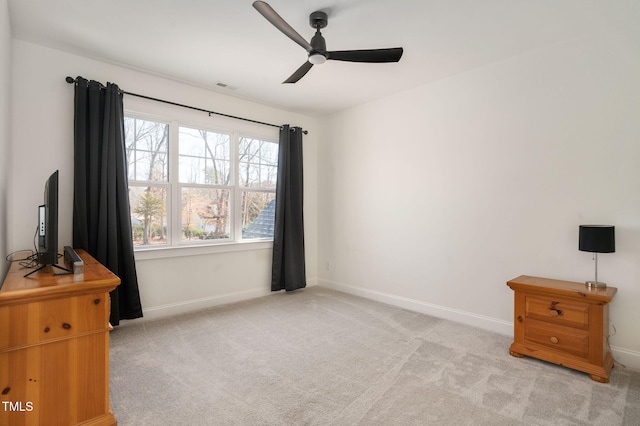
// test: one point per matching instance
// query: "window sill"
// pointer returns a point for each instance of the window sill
(148, 253)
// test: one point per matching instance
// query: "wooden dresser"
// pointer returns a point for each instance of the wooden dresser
(563, 322)
(54, 346)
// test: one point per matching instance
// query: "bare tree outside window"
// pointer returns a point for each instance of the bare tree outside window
(203, 186)
(147, 157)
(205, 176)
(258, 164)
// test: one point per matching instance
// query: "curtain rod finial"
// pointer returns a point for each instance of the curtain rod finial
(70, 80)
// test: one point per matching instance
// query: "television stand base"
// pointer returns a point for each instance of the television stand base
(66, 271)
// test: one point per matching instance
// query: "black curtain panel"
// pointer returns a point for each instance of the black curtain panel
(288, 269)
(101, 217)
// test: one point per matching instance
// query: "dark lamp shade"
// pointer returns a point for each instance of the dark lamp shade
(597, 238)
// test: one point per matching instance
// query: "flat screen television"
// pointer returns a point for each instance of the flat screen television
(47, 233)
(48, 223)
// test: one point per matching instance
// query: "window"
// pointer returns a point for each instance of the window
(190, 185)
(258, 161)
(147, 145)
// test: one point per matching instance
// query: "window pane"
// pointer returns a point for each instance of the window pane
(147, 144)
(191, 169)
(205, 214)
(258, 163)
(258, 214)
(191, 142)
(204, 157)
(148, 215)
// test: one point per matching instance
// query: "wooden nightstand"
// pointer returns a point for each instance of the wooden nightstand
(563, 322)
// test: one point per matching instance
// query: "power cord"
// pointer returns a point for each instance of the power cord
(609, 345)
(29, 261)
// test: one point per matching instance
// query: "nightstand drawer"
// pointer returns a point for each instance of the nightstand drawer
(567, 340)
(558, 311)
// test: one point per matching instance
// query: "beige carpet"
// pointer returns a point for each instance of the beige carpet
(320, 357)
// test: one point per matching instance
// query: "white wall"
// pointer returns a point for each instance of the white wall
(430, 199)
(42, 141)
(433, 198)
(5, 120)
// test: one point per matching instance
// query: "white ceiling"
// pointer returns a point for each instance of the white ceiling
(206, 42)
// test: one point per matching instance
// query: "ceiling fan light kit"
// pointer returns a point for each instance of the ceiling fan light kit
(317, 58)
(317, 49)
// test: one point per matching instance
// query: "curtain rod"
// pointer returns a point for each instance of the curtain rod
(72, 80)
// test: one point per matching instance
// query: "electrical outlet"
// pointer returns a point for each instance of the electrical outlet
(612, 329)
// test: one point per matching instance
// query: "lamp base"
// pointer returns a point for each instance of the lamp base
(595, 284)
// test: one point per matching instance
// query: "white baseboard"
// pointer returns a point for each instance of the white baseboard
(626, 357)
(171, 309)
(623, 356)
(469, 318)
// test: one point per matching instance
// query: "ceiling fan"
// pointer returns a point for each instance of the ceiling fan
(317, 48)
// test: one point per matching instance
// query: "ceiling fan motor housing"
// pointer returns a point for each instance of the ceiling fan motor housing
(318, 43)
(319, 53)
(318, 19)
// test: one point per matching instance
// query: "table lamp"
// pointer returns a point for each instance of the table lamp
(597, 239)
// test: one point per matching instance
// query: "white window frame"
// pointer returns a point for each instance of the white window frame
(175, 247)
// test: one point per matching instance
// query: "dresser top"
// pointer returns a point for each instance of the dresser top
(562, 288)
(45, 285)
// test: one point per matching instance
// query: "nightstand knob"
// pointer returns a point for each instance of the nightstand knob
(554, 339)
(555, 311)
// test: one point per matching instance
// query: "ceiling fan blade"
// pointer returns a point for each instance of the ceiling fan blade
(300, 72)
(370, 55)
(277, 21)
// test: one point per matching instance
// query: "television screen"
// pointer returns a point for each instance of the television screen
(48, 223)
(47, 233)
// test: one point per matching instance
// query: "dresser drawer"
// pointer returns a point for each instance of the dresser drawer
(564, 339)
(54, 319)
(557, 311)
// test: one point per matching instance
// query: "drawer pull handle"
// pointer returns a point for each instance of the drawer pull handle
(46, 329)
(554, 339)
(555, 311)
(66, 326)
(96, 301)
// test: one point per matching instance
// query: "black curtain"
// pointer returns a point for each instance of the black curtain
(101, 218)
(288, 269)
